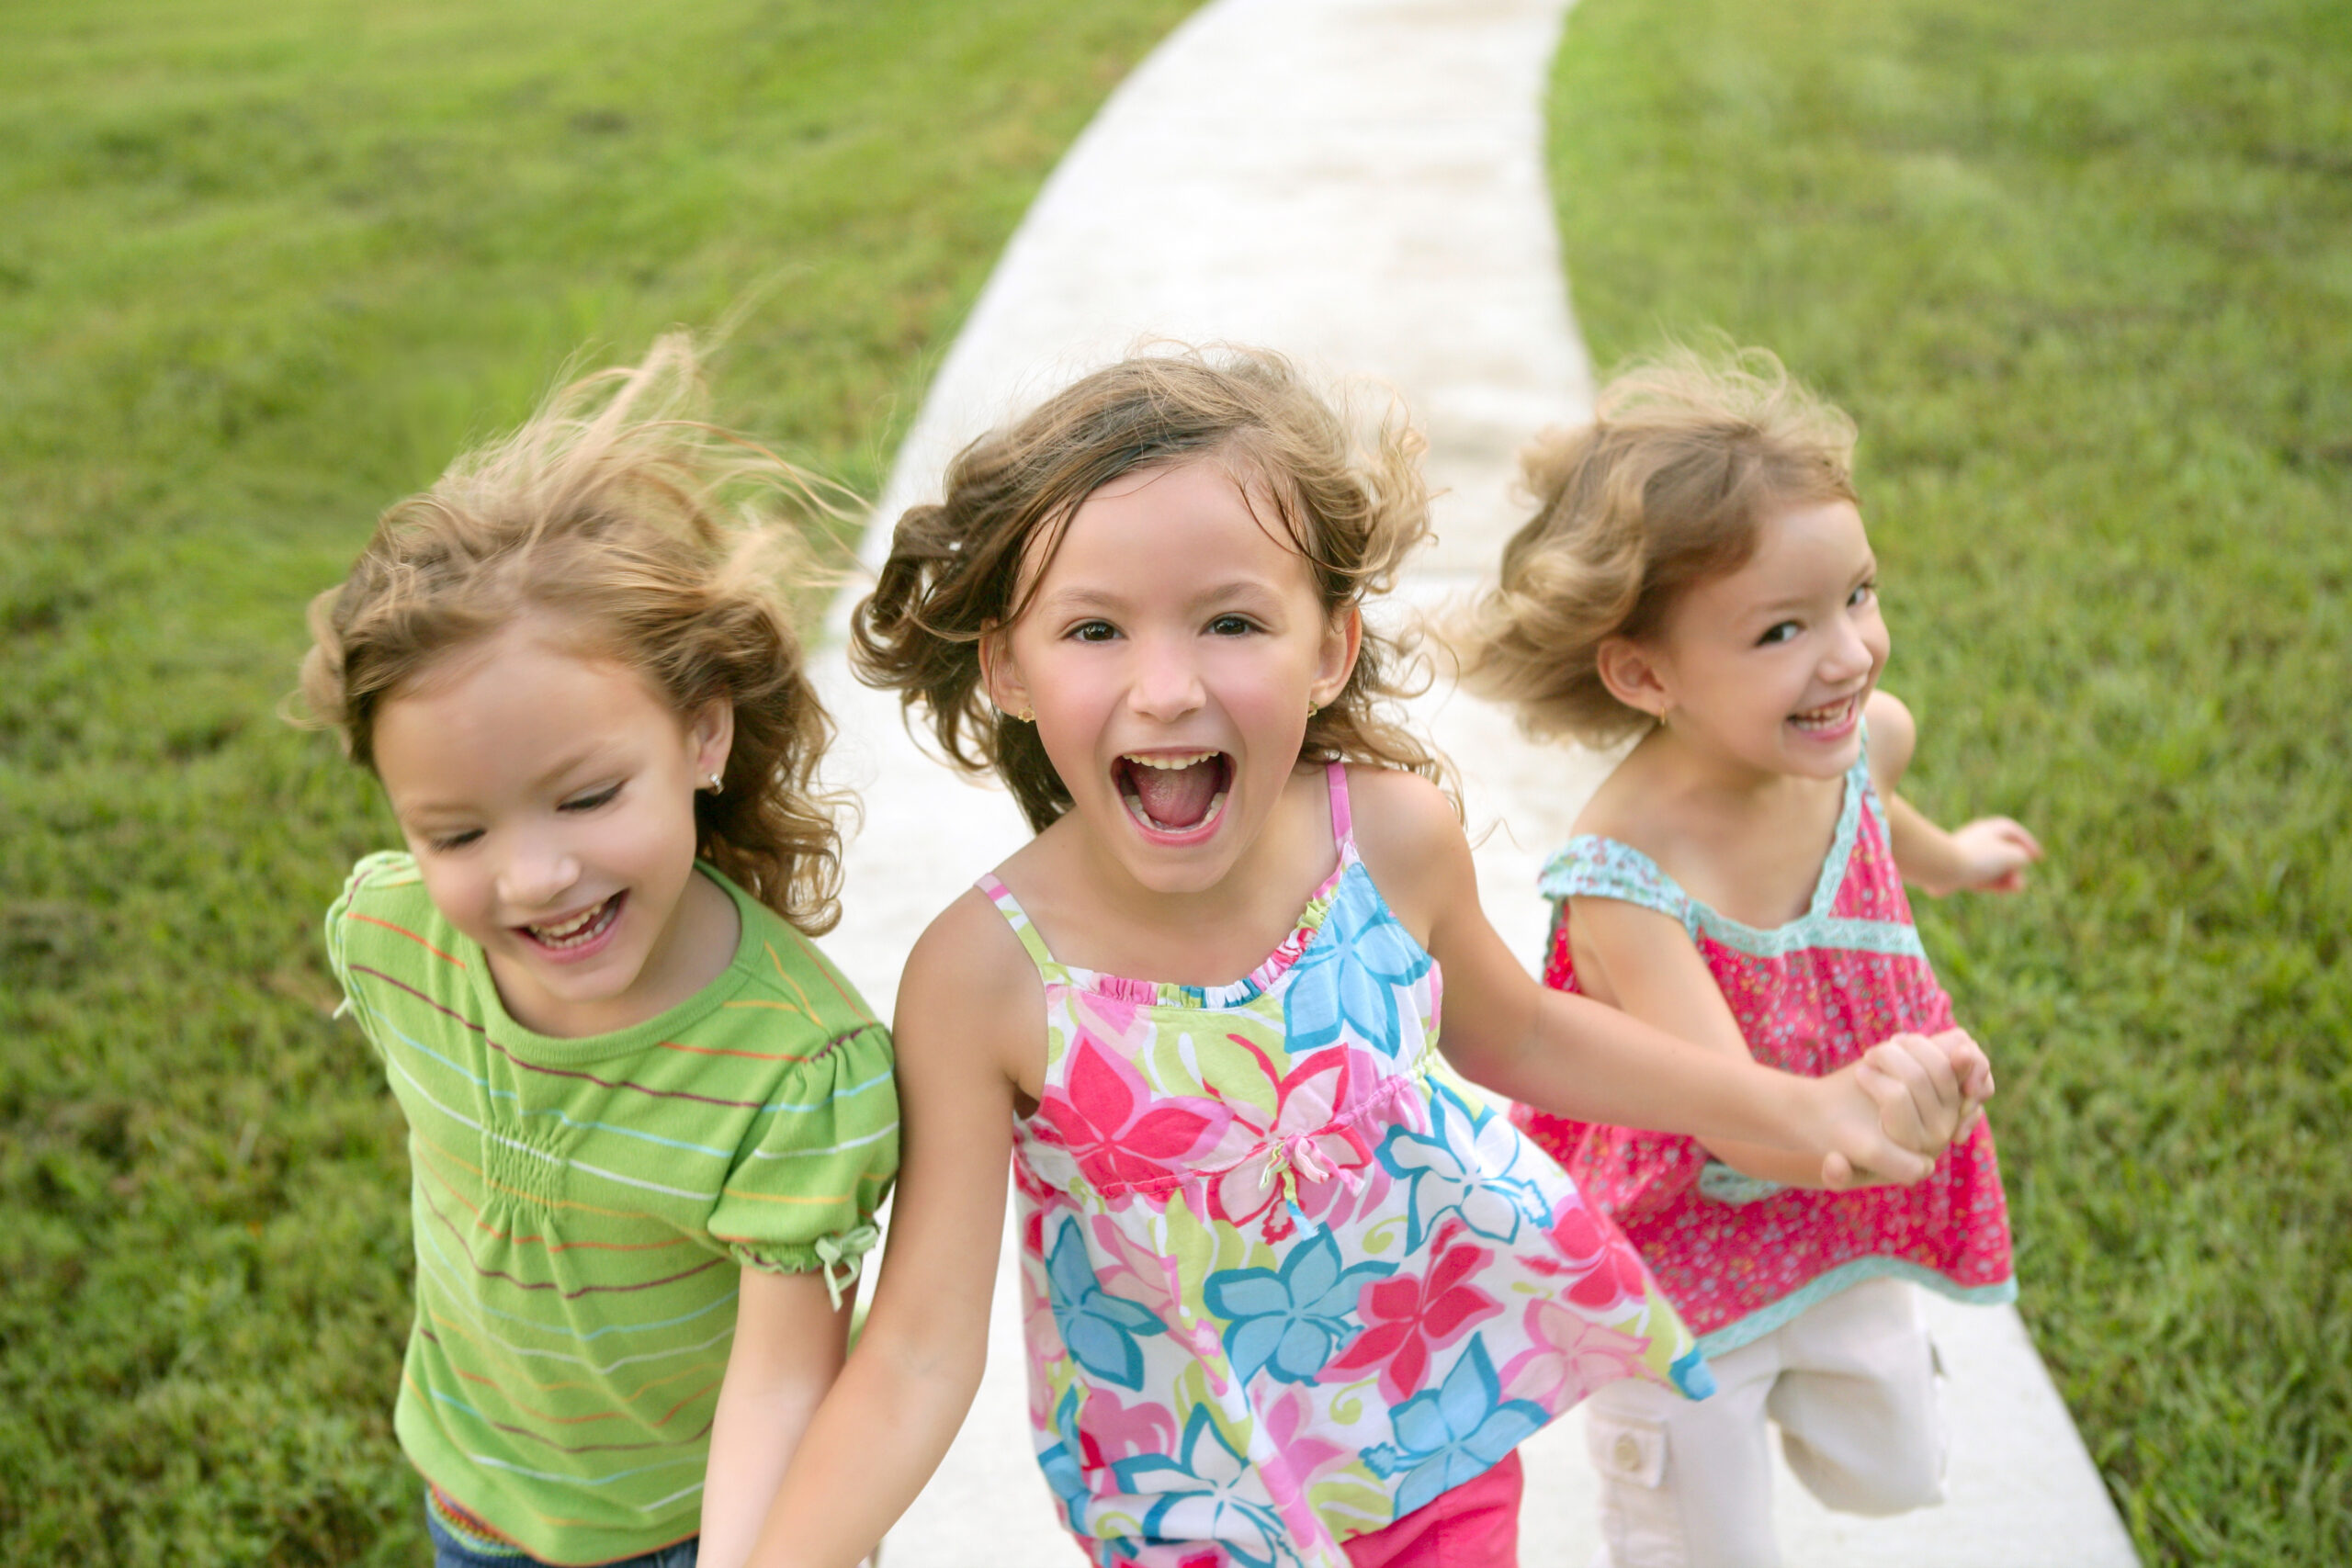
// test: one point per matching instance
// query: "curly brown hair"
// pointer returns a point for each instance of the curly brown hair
(1353, 508)
(1687, 454)
(659, 541)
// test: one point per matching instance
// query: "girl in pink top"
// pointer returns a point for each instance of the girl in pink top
(1697, 575)
(1293, 1292)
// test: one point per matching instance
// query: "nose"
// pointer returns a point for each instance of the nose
(1167, 684)
(1850, 655)
(537, 871)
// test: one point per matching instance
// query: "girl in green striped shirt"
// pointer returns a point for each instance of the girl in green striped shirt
(650, 1124)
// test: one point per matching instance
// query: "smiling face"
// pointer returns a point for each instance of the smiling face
(1169, 650)
(1767, 668)
(549, 799)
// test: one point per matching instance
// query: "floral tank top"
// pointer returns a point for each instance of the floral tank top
(1283, 1280)
(1740, 1257)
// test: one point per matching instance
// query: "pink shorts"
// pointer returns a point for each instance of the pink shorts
(1474, 1526)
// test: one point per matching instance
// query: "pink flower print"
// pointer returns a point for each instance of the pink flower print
(1595, 1253)
(1304, 1155)
(1121, 1134)
(1570, 1356)
(1302, 1459)
(1616, 1276)
(1406, 1318)
(1109, 1431)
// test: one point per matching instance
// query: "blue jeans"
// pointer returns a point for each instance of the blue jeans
(449, 1551)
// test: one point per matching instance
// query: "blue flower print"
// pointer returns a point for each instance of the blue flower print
(1288, 1323)
(1099, 1327)
(1447, 1171)
(1060, 1463)
(1450, 1434)
(1247, 1530)
(1347, 981)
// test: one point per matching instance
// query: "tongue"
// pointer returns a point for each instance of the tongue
(1175, 797)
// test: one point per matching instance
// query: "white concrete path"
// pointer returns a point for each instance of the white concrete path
(1358, 183)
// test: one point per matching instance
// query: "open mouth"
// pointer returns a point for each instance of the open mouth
(1828, 719)
(571, 934)
(1173, 792)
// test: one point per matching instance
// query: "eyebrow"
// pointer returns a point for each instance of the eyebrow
(1798, 602)
(1078, 597)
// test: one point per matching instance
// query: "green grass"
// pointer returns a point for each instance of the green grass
(265, 269)
(2082, 273)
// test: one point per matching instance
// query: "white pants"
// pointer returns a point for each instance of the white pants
(1851, 1384)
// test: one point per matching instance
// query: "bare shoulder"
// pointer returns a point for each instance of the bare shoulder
(1411, 840)
(1894, 736)
(970, 989)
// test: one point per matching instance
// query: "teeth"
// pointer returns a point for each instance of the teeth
(574, 932)
(1169, 765)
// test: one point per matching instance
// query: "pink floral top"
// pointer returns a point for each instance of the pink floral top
(1283, 1281)
(1741, 1257)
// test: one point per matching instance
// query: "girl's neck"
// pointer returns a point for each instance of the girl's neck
(1095, 914)
(1707, 776)
(1747, 843)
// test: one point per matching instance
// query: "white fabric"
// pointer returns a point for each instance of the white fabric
(1851, 1384)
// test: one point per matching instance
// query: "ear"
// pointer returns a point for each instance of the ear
(999, 674)
(1335, 661)
(711, 736)
(1634, 675)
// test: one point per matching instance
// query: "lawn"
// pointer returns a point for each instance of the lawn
(2082, 273)
(262, 268)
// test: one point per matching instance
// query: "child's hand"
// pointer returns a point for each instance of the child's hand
(1992, 852)
(1974, 1070)
(1873, 1129)
(1928, 1091)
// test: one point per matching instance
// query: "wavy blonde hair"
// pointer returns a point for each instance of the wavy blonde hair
(1687, 454)
(1352, 508)
(656, 539)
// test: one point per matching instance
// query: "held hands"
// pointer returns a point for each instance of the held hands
(1992, 854)
(1926, 1091)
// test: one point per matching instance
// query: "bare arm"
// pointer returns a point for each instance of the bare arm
(1652, 971)
(789, 1339)
(1987, 855)
(897, 1405)
(1581, 1058)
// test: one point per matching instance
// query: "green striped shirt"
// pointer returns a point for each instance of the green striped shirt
(581, 1208)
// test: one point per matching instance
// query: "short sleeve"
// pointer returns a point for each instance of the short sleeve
(1594, 867)
(802, 1193)
(349, 925)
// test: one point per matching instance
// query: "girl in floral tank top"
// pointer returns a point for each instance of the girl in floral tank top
(1293, 1292)
(1724, 601)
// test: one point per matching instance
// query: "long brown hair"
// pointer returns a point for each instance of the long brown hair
(1687, 455)
(659, 541)
(1352, 508)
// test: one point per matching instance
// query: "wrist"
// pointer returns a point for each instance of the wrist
(1793, 1105)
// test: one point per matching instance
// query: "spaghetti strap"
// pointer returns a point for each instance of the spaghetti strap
(1343, 827)
(1018, 918)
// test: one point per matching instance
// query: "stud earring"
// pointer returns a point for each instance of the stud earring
(715, 784)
